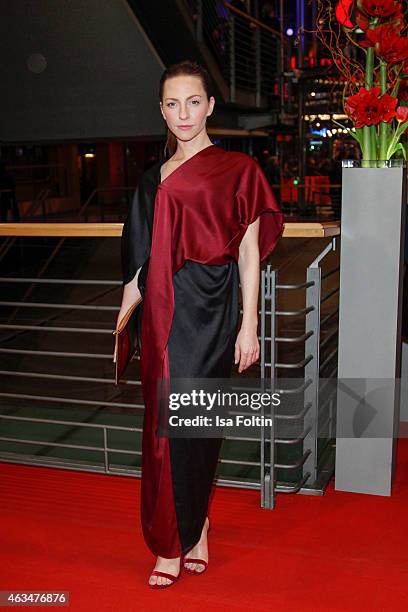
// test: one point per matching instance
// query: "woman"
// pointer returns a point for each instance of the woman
(191, 235)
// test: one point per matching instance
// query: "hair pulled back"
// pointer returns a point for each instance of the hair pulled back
(184, 68)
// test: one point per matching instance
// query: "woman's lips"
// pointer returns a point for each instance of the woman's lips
(184, 127)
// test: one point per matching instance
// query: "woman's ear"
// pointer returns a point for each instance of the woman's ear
(161, 110)
(211, 104)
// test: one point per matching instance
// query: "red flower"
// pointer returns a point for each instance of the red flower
(402, 113)
(369, 108)
(387, 43)
(344, 9)
(380, 8)
(388, 104)
(362, 21)
(364, 108)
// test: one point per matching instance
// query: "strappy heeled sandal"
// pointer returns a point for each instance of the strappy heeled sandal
(194, 571)
(191, 560)
(164, 575)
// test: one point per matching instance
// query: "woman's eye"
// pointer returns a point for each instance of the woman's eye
(170, 104)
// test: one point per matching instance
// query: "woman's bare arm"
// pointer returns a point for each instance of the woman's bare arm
(247, 344)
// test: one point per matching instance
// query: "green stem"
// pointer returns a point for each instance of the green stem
(374, 142)
(368, 144)
(383, 125)
(369, 68)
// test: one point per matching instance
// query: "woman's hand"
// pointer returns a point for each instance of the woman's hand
(115, 352)
(246, 347)
(131, 294)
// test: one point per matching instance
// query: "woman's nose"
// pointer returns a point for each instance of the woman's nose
(183, 114)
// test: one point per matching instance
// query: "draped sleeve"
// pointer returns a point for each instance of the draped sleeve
(255, 198)
(137, 234)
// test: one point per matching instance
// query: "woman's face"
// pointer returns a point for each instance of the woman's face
(185, 106)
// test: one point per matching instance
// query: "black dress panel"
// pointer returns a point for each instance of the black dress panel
(201, 345)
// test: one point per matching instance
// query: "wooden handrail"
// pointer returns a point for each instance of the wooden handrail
(292, 229)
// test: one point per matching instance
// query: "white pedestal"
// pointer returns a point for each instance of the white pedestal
(370, 308)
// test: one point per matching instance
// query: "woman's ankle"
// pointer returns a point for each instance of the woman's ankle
(165, 560)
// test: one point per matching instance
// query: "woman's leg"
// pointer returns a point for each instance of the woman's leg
(158, 514)
(199, 551)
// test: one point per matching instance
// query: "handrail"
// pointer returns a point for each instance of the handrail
(256, 22)
(250, 54)
(322, 229)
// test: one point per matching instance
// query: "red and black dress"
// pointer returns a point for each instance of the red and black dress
(184, 232)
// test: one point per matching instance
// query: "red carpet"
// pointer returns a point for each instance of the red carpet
(79, 532)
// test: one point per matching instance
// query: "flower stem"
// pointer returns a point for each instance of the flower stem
(383, 125)
(366, 142)
(368, 136)
(369, 67)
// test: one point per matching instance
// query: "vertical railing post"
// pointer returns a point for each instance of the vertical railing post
(312, 368)
(105, 449)
(268, 305)
(264, 291)
(232, 57)
(312, 346)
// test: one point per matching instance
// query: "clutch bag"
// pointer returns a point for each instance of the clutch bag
(127, 338)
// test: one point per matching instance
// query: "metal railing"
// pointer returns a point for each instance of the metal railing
(251, 55)
(79, 376)
(307, 408)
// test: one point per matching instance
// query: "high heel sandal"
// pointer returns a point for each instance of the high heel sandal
(192, 560)
(164, 575)
(194, 571)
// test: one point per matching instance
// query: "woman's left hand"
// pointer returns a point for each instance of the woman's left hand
(246, 348)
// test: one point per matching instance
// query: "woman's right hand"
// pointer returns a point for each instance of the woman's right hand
(131, 293)
(115, 352)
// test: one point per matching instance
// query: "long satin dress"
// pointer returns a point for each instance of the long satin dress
(184, 234)
(201, 344)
